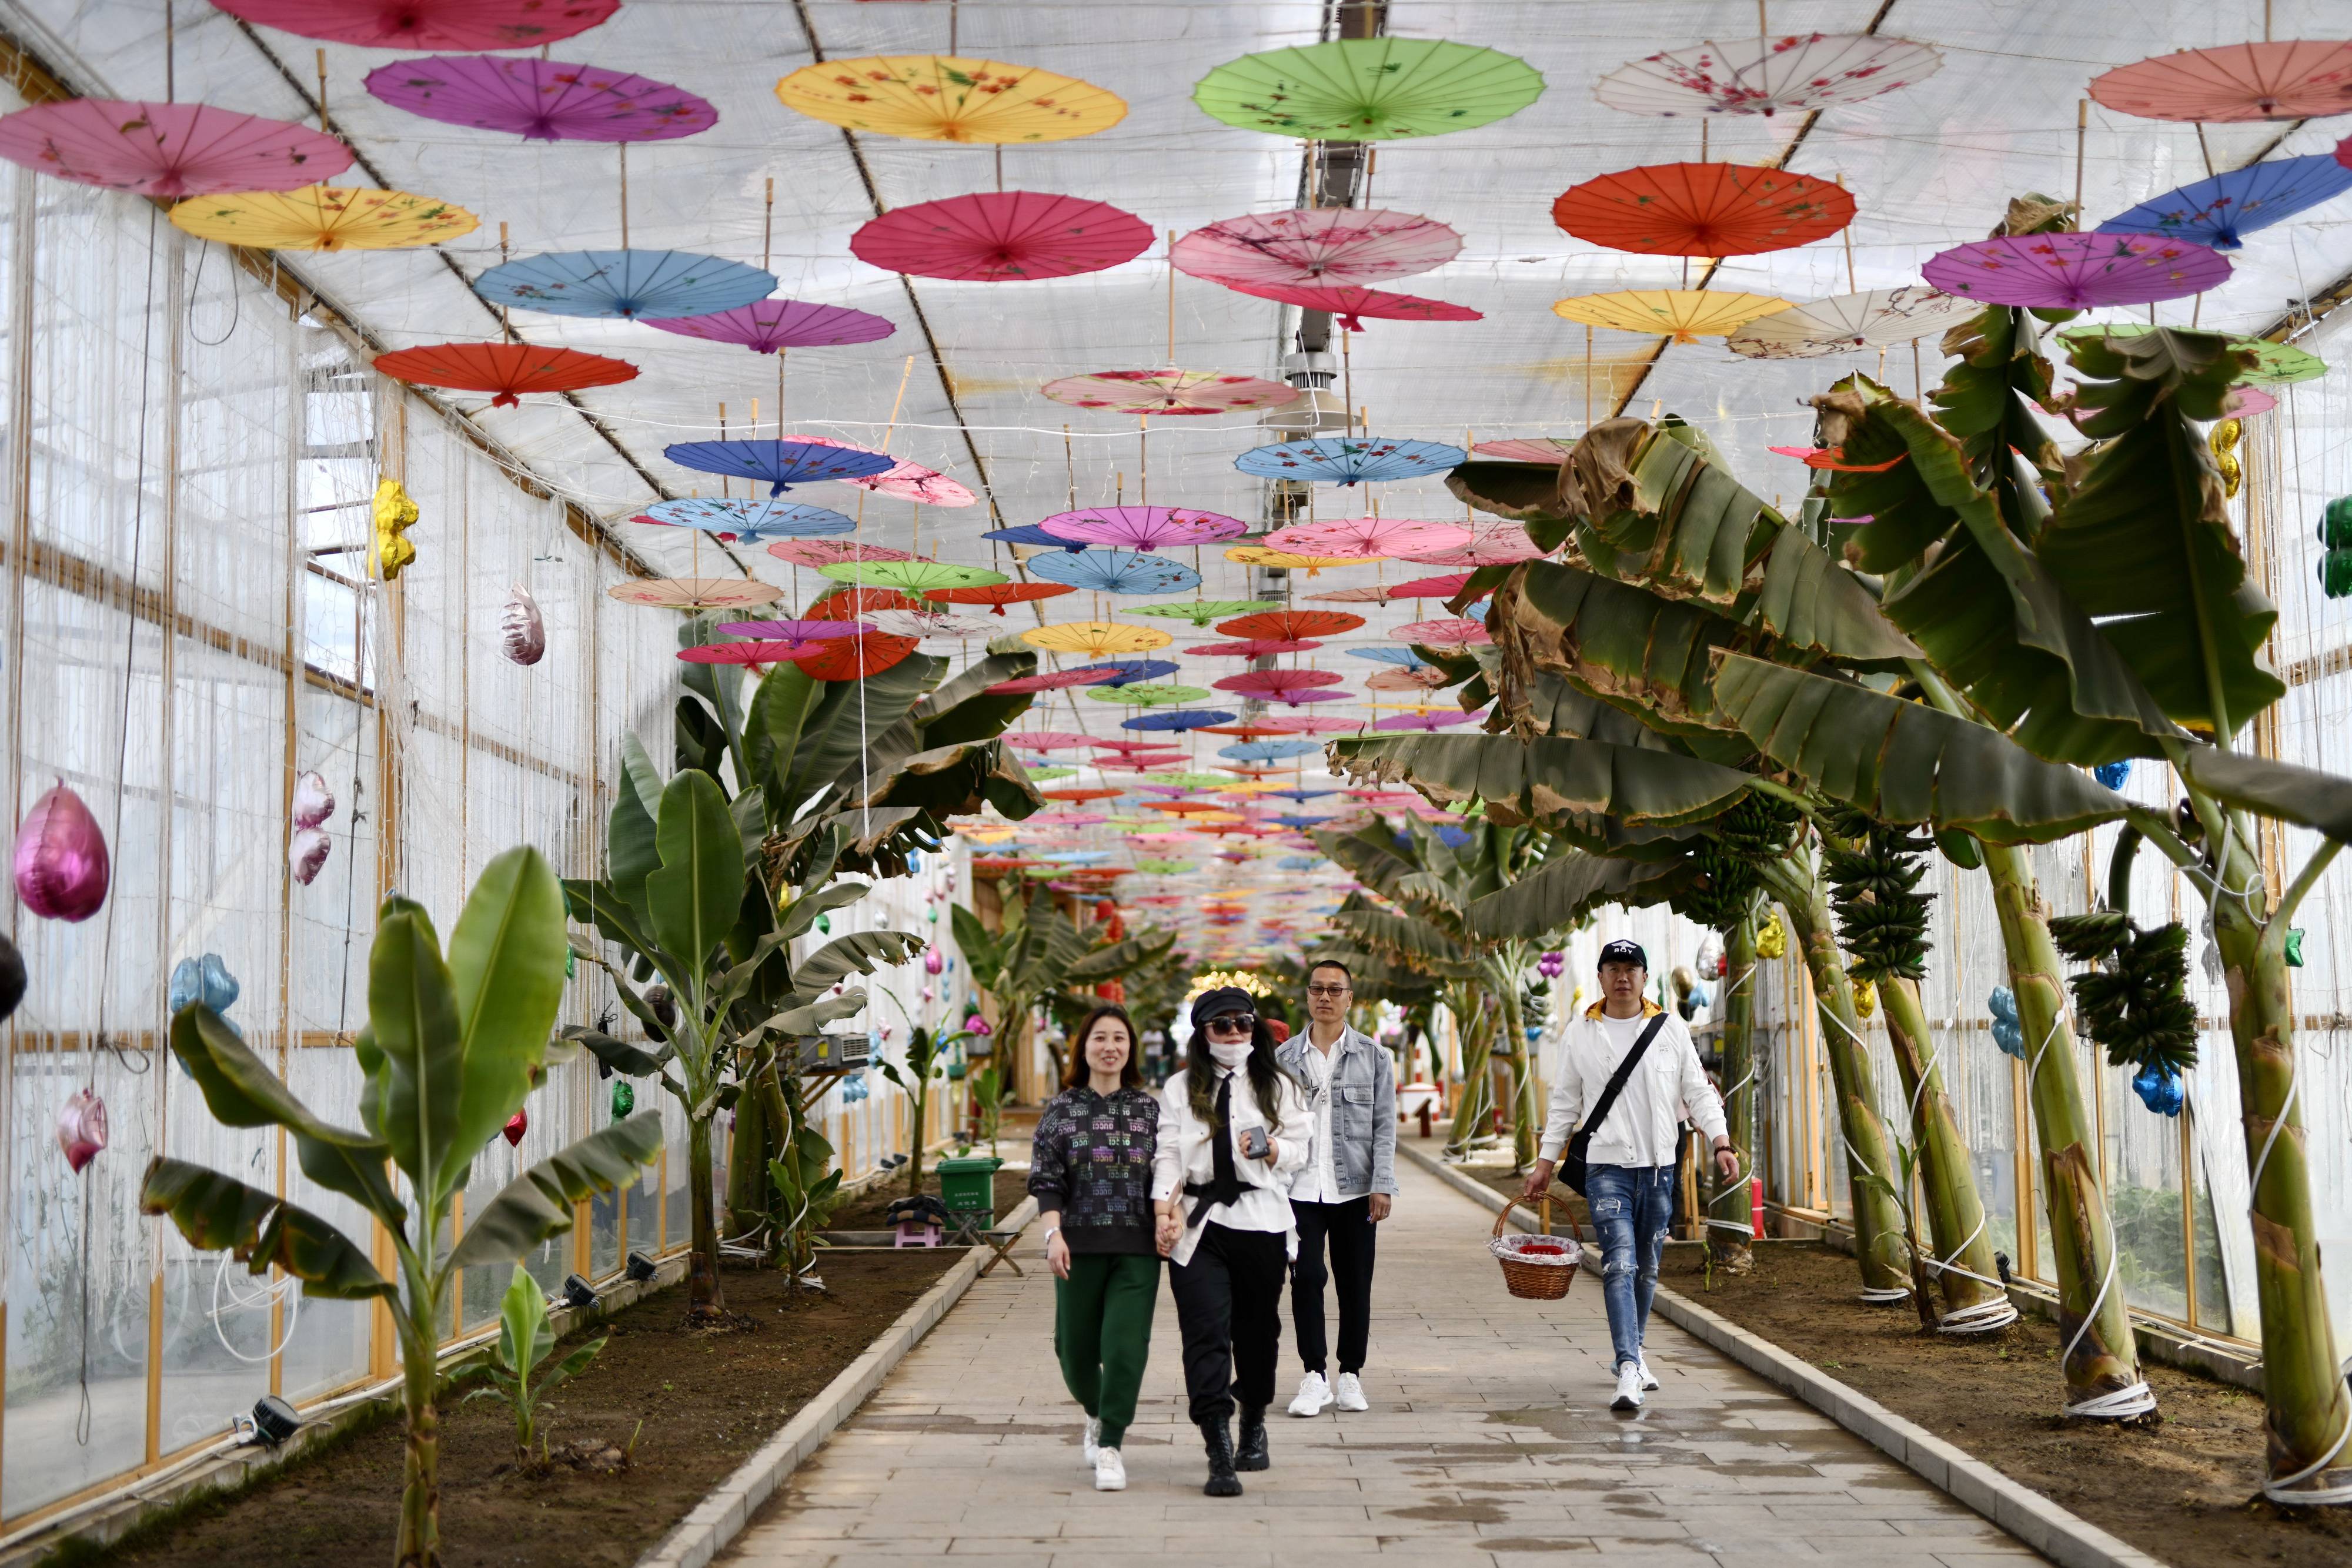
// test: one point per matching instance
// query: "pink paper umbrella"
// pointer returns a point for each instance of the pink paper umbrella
(541, 100)
(818, 554)
(1352, 304)
(765, 326)
(1143, 528)
(1170, 391)
(1364, 594)
(1050, 740)
(1549, 450)
(1423, 721)
(767, 650)
(1002, 236)
(2076, 271)
(428, 24)
(2290, 79)
(1368, 538)
(1052, 681)
(1280, 686)
(1433, 587)
(906, 481)
(1505, 545)
(797, 639)
(168, 150)
(1253, 648)
(1441, 633)
(1312, 247)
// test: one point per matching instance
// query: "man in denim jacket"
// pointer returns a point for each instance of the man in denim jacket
(1344, 1189)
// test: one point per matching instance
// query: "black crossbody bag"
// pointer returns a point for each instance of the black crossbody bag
(1572, 1164)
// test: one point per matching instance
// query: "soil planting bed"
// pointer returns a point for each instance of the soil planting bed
(707, 1402)
(2186, 1489)
(868, 1210)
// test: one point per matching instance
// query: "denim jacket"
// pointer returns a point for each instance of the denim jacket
(1364, 1109)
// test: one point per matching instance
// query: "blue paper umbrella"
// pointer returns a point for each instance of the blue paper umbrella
(1034, 535)
(1301, 796)
(781, 462)
(2220, 211)
(1402, 658)
(1345, 459)
(641, 285)
(1115, 571)
(1130, 670)
(761, 519)
(1269, 750)
(1300, 863)
(1301, 822)
(1177, 718)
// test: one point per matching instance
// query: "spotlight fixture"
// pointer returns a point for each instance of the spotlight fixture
(578, 1292)
(641, 1268)
(273, 1420)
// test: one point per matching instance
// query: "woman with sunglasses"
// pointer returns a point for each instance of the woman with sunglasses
(1233, 1128)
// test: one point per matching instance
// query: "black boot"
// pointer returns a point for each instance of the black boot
(1222, 1481)
(1254, 1455)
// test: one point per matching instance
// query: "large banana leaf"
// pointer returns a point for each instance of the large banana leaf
(627, 1059)
(843, 723)
(771, 731)
(963, 709)
(1656, 506)
(1566, 889)
(1648, 655)
(2286, 791)
(412, 1023)
(953, 780)
(218, 1213)
(694, 897)
(1113, 959)
(1369, 855)
(1415, 944)
(1524, 492)
(859, 953)
(1812, 604)
(540, 1202)
(1548, 779)
(1904, 762)
(1988, 400)
(631, 850)
(506, 969)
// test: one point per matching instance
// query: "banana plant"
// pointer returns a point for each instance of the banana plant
(453, 1045)
(526, 1338)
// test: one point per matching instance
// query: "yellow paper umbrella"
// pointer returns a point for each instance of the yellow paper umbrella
(1688, 314)
(323, 218)
(1264, 555)
(696, 592)
(945, 98)
(1096, 639)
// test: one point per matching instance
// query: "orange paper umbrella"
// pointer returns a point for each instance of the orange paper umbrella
(696, 592)
(1702, 209)
(509, 370)
(1079, 797)
(849, 603)
(997, 595)
(1289, 625)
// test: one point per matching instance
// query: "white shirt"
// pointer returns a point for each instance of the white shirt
(1318, 1181)
(1668, 1087)
(1186, 1154)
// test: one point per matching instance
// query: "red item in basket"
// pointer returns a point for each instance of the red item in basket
(1540, 1248)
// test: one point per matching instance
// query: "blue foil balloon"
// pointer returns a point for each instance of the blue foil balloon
(2113, 774)
(2159, 1089)
(2007, 1032)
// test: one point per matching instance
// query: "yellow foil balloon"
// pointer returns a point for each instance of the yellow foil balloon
(1772, 941)
(394, 513)
(1865, 998)
(2224, 443)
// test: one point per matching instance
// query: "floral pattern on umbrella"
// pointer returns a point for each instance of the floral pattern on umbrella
(755, 521)
(2076, 271)
(1349, 459)
(1702, 209)
(1143, 528)
(1505, 544)
(1311, 248)
(168, 150)
(428, 24)
(949, 97)
(1369, 89)
(782, 463)
(904, 480)
(507, 370)
(1685, 314)
(541, 100)
(1549, 450)
(1350, 306)
(1201, 611)
(1116, 571)
(636, 284)
(1459, 633)
(1288, 686)
(1370, 539)
(1002, 236)
(1096, 639)
(816, 554)
(2220, 211)
(912, 576)
(1875, 319)
(1801, 71)
(695, 593)
(766, 326)
(2292, 79)
(1167, 393)
(324, 217)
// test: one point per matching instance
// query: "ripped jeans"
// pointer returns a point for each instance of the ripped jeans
(1632, 1207)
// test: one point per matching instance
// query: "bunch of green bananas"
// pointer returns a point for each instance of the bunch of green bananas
(2134, 1000)
(1873, 872)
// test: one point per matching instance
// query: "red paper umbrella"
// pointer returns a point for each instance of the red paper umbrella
(855, 658)
(818, 554)
(849, 603)
(1501, 546)
(765, 326)
(1247, 731)
(1080, 796)
(442, 25)
(2296, 80)
(1368, 538)
(1443, 633)
(510, 369)
(769, 651)
(906, 481)
(1052, 681)
(1130, 748)
(1834, 459)
(168, 150)
(1279, 686)
(997, 595)
(1702, 209)
(1352, 304)
(1434, 587)
(1254, 648)
(1289, 625)
(1002, 236)
(1048, 740)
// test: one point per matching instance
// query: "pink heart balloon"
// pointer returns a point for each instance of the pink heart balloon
(62, 871)
(81, 1129)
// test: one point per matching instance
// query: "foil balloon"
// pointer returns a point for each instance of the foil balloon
(81, 1129)
(314, 802)
(624, 1100)
(12, 978)
(523, 635)
(933, 962)
(206, 980)
(394, 515)
(517, 1126)
(306, 857)
(62, 871)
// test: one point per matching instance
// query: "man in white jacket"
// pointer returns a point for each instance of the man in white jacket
(1630, 1155)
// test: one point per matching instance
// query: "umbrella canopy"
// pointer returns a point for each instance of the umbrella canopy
(696, 592)
(765, 326)
(949, 97)
(507, 370)
(1269, 750)
(1145, 693)
(1080, 796)
(1369, 89)
(855, 658)
(907, 481)
(2275, 364)
(1547, 450)
(1768, 74)
(780, 651)
(755, 521)
(1307, 724)
(913, 576)
(1253, 648)
(1702, 209)
(1001, 237)
(428, 24)
(2296, 80)
(541, 100)
(1876, 318)
(637, 285)
(782, 463)
(168, 150)
(1443, 633)
(816, 554)
(323, 218)
(1686, 314)
(1505, 544)
(1352, 304)
(1116, 571)
(1279, 686)
(1406, 678)
(1349, 459)
(1201, 611)
(1177, 719)
(813, 632)
(1096, 639)
(1260, 555)
(2218, 212)
(1143, 528)
(1291, 624)
(850, 603)
(1047, 740)
(997, 595)
(1368, 538)
(2076, 271)
(1444, 587)
(1169, 392)
(1031, 535)
(1403, 657)
(1316, 247)
(924, 623)
(1050, 681)
(1128, 671)
(1363, 593)
(1440, 720)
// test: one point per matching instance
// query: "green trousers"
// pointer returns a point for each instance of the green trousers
(1102, 1332)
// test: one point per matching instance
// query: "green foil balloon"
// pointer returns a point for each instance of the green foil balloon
(625, 1099)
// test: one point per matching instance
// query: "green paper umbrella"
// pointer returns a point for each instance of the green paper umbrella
(1185, 780)
(1043, 774)
(1369, 89)
(913, 576)
(2275, 364)
(1163, 868)
(1144, 694)
(1199, 613)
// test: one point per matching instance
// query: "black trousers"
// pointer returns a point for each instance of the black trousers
(1349, 1229)
(1229, 1311)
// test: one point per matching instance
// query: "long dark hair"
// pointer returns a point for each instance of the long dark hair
(1264, 1074)
(1076, 1074)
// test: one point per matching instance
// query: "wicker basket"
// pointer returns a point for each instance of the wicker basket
(1535, 1268)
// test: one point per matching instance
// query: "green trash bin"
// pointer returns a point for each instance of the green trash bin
(967, 1187)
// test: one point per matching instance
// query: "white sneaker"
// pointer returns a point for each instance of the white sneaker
(1649, 1378)
(1628, 1387)
(1093, 1449)
(1111, 1470)
(1348, 1392)
(1314, 1396)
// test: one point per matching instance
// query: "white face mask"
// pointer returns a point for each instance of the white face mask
(1229, 1055)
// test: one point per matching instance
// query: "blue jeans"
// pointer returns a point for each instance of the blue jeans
(1631, 1206)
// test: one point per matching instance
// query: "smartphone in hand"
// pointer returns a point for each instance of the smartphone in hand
(1253, 1144)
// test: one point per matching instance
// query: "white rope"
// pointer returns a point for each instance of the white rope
(2137, 1398)
(288, 1289)
(2278, 1490)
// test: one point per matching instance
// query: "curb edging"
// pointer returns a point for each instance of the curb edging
(2059, 1535)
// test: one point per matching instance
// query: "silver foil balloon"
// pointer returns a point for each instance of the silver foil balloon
(81, 1128)
(307, 855)
(522, 634)
(314, 802)
(62, 870)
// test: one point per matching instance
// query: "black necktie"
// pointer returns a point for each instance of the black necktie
(1225, 1184)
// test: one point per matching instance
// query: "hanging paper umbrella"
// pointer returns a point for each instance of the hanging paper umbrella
(1096, 639)
(997, 595)
(540, 100)
(1364, 594)
(819, 553)
(1688, 314)
(765, 326)
(1269, 750)
(1350, 306)
(323, 218)
(2076, 271)
(695, 593)
(1279, 686)
(2275, 364)
(1143, 528)
(754, 520)
(1128, 671)
(1702, 209)
(782, 463)
(1201, 611)
(168, 150)
(906, 481)
(1347, 459)
(1369, 89)
(1047, 740)
(1505, 544)
(1843, 322)
(852, 603)
(1035, 538)
(428, 24)
(509, 370)
(1443, 633)
(1177, 719)
(1549, 450)
(1291, 624)
(2296, 80)
(913, 576)
(1116, 571)
(1169, 392)
(1253, 648)
(855, 658)
(1444, 587)
(931, 624)
(1145, 693)
(1312, 565)
(803, 636)
(1335, 247)
(1406, 678)
(2245, 402)
(949, 98)
(1050, 681)
(1768, 74)
(1000, 237)
(1832, 459)
(1370, 539)
(637, 285)
(1308, 724)
(2218, 212)
(1439, 719)
(778, 651)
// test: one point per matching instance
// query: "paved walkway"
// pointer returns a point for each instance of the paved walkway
(1489, 1442)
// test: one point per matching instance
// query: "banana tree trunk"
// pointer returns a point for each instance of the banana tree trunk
(705, 1300)
(1478, 1031)
(777, 1103)
(1727, 1207)
(419, 1544)
(746, 1162)
(1525, 1128)
(2101, 1355)
(1963, 1266)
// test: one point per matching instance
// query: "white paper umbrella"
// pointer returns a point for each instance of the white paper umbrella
(1765, 75)
(1875, 319)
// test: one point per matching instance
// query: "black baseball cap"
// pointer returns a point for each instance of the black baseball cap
(1218, 1003)
(1622, 951)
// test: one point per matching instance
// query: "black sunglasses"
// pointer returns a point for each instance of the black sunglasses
(1246, 1023)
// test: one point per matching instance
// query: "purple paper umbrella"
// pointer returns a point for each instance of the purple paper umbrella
(2076, 271)
(541, 100)
(766, 325)
(1143, 528)
(1423, 721)
(804, 636)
